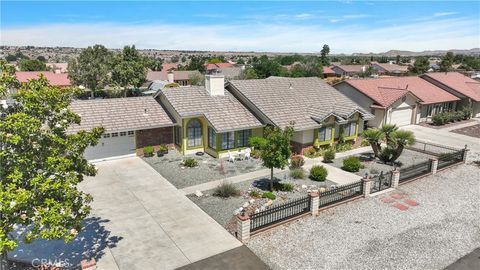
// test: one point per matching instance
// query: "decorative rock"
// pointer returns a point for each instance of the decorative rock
(322, 189)
(198, 193)
(238, 211)
(246, 204)
(257, 210)
(262, 208)
(269, 202)
(251, 201)
(304, 186)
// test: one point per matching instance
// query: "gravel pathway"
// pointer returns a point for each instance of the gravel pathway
(371, 234)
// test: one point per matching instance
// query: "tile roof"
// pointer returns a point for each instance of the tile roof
(458, 82)
(53, 78)
(392, 68)
(224, 113)
(350, 68)
(385, 91)
(306, 101)
(218, 66)
(177, 75)
(116, 114)
(328, 70)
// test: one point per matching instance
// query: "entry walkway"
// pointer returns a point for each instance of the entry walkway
(139, 221)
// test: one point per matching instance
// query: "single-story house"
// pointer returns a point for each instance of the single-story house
(58, 67)
(55, 79)
(182, 77)
(348, 70)
(209, 119)
(390, 69)
(129, 123)
(317, 110)
(211, 66)
(463, 87)
(398, 100)
(328, 72)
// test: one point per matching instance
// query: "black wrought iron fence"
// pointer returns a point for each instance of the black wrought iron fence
(340, 193)
(381, 182)
(445, 160)
(415, 170)
(279, 213)
(431, 148)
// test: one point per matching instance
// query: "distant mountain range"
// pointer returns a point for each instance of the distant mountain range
(393, 53)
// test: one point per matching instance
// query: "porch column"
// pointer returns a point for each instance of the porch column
(395, 178)
(367, 185)
(243, 227)
(434, 165)
(314, 203)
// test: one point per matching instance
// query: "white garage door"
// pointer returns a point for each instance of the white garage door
(401, 116)
(111, 145)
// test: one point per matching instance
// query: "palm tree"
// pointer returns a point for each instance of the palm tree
(374, 137)
(400, 139)
(388, 129)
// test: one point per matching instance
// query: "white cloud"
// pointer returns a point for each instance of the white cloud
(425, 35)
(303, 16)
(443, 14)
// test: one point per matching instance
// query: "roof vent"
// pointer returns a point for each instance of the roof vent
(406, 87)
(145, 112)
(290, 87)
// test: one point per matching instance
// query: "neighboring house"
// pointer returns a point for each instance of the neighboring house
(398, 100)
(182, 77)
(348, 70)
(218, 66)
(232, 73)
(58, 67)
(328, 72)
(209, 119)
(463, 87)
(60, 80)
(129, 123)
(390, 69)
(316, 109)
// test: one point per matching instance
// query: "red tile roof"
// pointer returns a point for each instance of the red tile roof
(218, 65)
(385, 91)
(458, 82)
(328, 70)
(53, 78)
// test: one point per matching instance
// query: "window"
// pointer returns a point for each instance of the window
(212, 138)
(106, 135)
(325, 134)
(194, 133)
(350, 129)
(131, 133)
(450, 106)
(115, 134)
(243, 136)
(123, 133)
(178, 135)
(429, 110)
(228, 140)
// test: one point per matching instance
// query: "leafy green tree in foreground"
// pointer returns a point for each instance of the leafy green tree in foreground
(41, 165)
(277, 149)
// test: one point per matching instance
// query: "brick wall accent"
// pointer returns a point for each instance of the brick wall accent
(298, 148)
(154, 136)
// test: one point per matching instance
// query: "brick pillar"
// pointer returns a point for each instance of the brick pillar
(314, 203)
(88, 265)
(465, 154)
(395, 177)
(434, 165)
(243, 227)
(367, 186)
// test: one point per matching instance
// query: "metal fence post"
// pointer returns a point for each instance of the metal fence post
(367, 186)
(434, 165)
(243, 227)
(465, 154)
(395, 177)
(314, 203)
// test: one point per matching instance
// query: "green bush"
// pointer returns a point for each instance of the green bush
(256, 153)
(258, 143)
(447, 117)
(342, 147)
(254, 194)
(467, 112)
(190, 162)
(297, 162)
(364, 143)
(329, 155)
(162, 148)
(352, 164)
(286, 187)
(148, 151)
(387, 154)
(318, 173)
(297, 173)
(225, 190)
(269, 195)
(312, 152)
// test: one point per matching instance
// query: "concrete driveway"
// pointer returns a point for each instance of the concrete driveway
(441, 136)
(139, 221)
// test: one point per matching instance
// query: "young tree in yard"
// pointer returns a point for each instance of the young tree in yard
(395, 139)
(400, 139)
(91, 69)
(420, 66)
(31, 65)
(41, 165)
(447, 62)
(323, 55)
(388, 130)
(129, 69)
(277, 150)
(374, 137)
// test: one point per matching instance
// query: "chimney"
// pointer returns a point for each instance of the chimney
(170, 77)
(215, 83)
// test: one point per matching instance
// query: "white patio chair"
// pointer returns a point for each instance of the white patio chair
(231, 158)
(247, 153)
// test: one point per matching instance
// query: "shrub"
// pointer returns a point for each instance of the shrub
(269, 195)
(364, 143)
(190, 162)
(162, 148)
(387, 154)
(297, 173)
(309, 152)
(256, 153)
(329, 155)
(287, 187)
(297, 162)
(258, 143)
(254, 194)
(467, 112)
(148, 151)
(438, 119)
(342, 147)
(225, 190)
(318, 173)
(352, 164)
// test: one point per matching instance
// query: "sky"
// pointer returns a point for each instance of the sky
(346, 26)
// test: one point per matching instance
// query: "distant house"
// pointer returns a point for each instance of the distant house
(398, 100)
(348, 70)
(328, 72)
(58, 67)
(218, 66)
(182, 77)
(55, 79)
(390, 69)
(463, 87)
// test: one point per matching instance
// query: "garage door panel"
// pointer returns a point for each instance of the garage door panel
(401, 117)
(110, 147)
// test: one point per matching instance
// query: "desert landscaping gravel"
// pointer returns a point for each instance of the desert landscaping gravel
(372, 234)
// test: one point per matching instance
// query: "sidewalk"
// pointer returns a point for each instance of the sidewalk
(336, 175)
